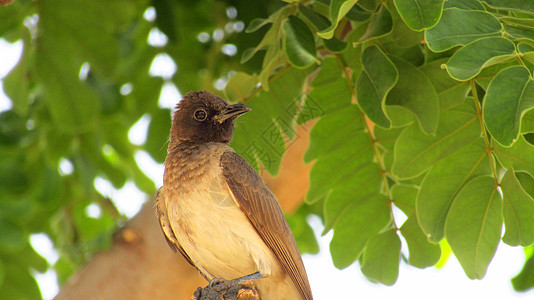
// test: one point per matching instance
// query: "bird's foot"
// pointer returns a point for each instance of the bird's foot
(240, 288)
(219, 283)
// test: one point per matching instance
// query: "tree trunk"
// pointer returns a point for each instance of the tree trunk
(140, 264)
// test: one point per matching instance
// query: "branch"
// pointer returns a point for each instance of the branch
(227, 290)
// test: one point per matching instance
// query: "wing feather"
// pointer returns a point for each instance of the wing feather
(264, 212)
(165, 225)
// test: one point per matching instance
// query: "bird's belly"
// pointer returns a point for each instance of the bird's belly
(218, 237)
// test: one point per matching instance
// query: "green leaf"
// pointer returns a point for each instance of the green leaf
(414, 92)
(460, 27)
(412, 54)
(404, 198)
(335, 45)
(519, 32)
(374, 83)
(473, 227)
(73, 105)
(464, 4)
(485, 76)
(467, 62)
(518, 210)
(399, 116)
(64, 269)
(386, 138)
(158, 134)
(16, 83)
(527, 51)
(422, 253)
(420, 14)
(516, 5)
(369, 5)
(343, 195)
(165, 18)
(352, 55)
(108, 92)
(93, 151)
(328, 82)
(12, 17)
(435, 198)
(527, 122)
(302, 230)
(240, 86)
(95, 233)
(141, 180)
(319, 21)
(274, 59)
(526, 180)
(338, 9)
(256, 24)
(381, 258)
(380, 24)
(525, 279)
(13, 131)
(416, 152)
(13, 237)
(19, 283)
(97, 35)
(270, 39)
(299, 43)
(520, 156)
(343, 157)
(358, 13)
(337, 134)
(525, 23)
(271, 122)
(2, 274)
(450, 92)
(402, 35)
(510, 95)
(27, 258)
(361, 220)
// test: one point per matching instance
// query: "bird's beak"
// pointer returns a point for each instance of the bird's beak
(231, 111)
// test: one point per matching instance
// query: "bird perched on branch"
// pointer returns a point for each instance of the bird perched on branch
(216, 210)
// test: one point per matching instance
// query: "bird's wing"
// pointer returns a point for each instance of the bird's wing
(259, 203)
(166, 227)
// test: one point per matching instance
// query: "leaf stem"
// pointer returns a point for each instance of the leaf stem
(369, 130)
(488, 147)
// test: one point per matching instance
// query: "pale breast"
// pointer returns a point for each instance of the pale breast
(209, 226)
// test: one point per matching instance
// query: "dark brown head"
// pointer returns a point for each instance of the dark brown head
(203, 117)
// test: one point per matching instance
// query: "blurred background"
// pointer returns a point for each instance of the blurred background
(88, 88)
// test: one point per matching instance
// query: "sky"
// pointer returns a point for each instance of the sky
(326, 281)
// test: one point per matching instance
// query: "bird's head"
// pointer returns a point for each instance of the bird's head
(203, 117)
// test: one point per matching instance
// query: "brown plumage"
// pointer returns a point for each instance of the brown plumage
(217, 211)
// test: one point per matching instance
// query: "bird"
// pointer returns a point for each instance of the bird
(216, 210)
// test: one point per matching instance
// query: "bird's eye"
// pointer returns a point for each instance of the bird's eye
(200, 115)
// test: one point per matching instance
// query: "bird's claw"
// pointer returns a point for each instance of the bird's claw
(218, 284)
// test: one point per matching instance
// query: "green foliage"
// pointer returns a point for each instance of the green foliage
(423, 105)
(420, 14)
(374, 83)
(299, 43)
(510, 95)
(474, 239)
